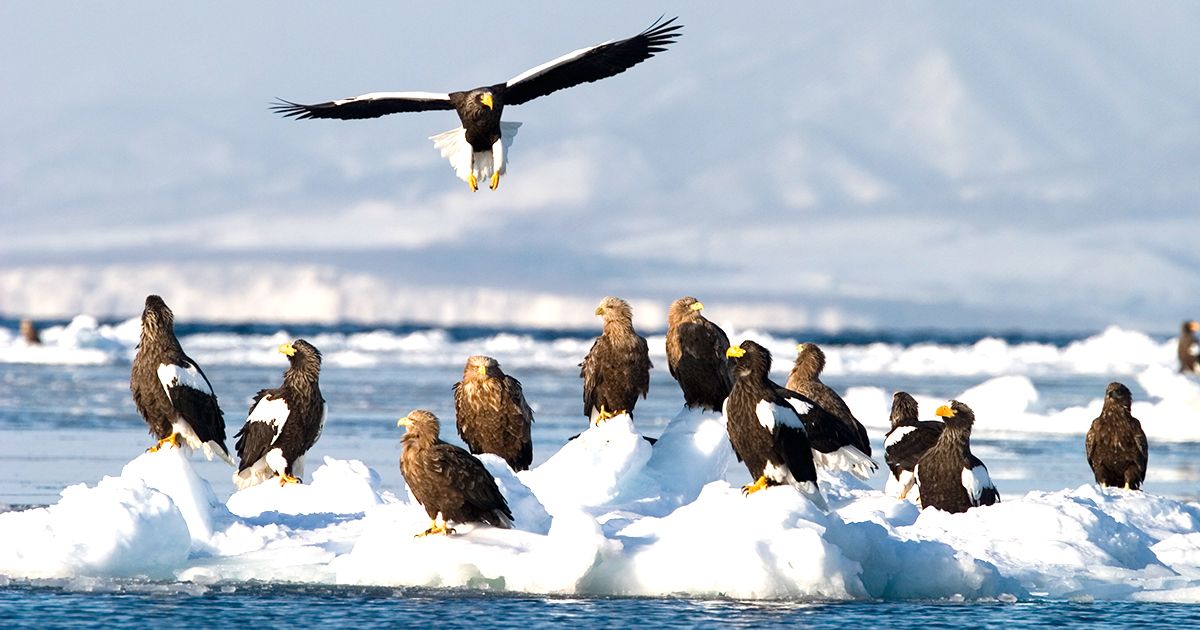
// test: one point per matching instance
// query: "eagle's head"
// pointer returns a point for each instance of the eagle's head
(1119, 395)
(614, 309)
(810, 361)
(479, 367)
(956, 414)
(157, 317)
(684, 309)
(420, 424)
(904, 409)
(749, 359)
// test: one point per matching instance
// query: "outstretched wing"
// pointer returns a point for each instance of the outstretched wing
(591, 64)
(371, 105)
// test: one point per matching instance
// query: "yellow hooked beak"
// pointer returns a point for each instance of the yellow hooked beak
(404, 422)
(287, 349)
(735, 352)
(599, 310)
(697, 306)
(944, 412)
(483, 370)
(486, 99)
(1194, 326)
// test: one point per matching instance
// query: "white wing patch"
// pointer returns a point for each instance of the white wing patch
(464, 160)
(171, 375)
(847, 458)
(975, 480)
(379, 96)
(769, 413)
(550, 65)
(273, 411)
(896, 435)
(800, 406)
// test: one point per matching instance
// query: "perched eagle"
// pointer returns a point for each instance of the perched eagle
(1189, 347)
(29, 333)
(907, 441)
(805, 378)
(1116, 444)
(949, 477)
(765, 430)
(492, 414)
(171, 391)
(477, 149)
(617, 368)
(450, 483)
(696, 355)
(284, 422)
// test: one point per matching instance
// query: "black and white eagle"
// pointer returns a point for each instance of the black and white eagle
(450, 483)
(171, 391)
(1188, 347)
(696, 355)
(492, 414)
(949, 476)
(765, 429)
(1116, 444)
(477, 149)
(906, 442)
(805, 378)
(617, 368)
(283, 422)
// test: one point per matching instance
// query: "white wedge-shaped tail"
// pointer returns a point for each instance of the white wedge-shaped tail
(464, 160)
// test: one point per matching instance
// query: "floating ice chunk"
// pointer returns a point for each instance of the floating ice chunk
(528, 513)
(170, 472)
(337, 487)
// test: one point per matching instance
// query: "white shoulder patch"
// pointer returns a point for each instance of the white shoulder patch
(800, 406)
(896, 435)
(273, 411)
(770, 413)
(171, 375)
(975, 480)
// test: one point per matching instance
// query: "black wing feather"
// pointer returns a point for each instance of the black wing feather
(600, 62)
(358, 107)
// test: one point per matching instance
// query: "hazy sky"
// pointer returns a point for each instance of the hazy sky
(884, 164)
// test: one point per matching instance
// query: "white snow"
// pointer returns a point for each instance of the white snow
(609, 515)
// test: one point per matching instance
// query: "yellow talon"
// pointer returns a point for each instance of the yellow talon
(756, 486)
(171, 440)
(604, 414)
(495, 180)
(439, 526)
(472, 182)
(286, 479)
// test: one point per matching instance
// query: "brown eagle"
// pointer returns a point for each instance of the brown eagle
(450, 483)
(949, 477)
(696, 355)
(617, 368)
(805, 378)
(170, 390)
(477, 149)
(492, 414)
(1188, 347)
(1116, 444)
(907, 441)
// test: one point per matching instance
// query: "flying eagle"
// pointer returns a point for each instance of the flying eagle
(805, 378)
(1116, 444)
(696, 355)
(617, 368)
(171, 391)
(907, 441)
(477, 149)
(284, 422)
(1189, 347)
(450, 483)
(949, 477)
(766, 431)
(492, 414)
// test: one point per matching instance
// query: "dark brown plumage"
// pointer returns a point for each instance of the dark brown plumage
(450, 483)
(949, 477)
(492, 414)
(805, 378)
(170, 390)
(765, 430)
(617, 368)
(907, 441)
(29, 333)
(1116, 444)
(1188, 347)
(696, 355)
(284, 422)
(480, 109)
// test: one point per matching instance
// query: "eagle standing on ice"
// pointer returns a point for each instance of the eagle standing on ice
(765, 430)
(284, 422)
(805, 378)
(696, 355)
(477, 149)
(949, 476)
(1188, 348)
(492, 414)
(617, 368)
(1116, 444)
(906, 442)
(450, 483)
(171, 391)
